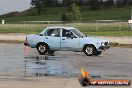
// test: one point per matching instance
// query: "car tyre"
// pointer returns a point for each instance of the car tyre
(42, 48)
(89, 50)
(97, 53)
(51, 52)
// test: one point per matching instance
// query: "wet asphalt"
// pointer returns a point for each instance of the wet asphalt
(113, 63)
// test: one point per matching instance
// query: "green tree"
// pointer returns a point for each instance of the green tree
(50, 3)
(79, 2)
(101, 2)
(125, 2)
(94, 4)
(120, 3)
(68, 2)
(65, 16)
(38, 4)
(72, 14)
(108, 3)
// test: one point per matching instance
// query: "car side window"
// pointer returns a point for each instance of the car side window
(53, 32)
(67, 33)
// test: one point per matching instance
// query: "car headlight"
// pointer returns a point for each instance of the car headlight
(104, 43)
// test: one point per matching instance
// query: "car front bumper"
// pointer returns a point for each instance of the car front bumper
(104, 47)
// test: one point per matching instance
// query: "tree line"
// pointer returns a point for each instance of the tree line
(94, 4)
(80, 2)
(73, 12)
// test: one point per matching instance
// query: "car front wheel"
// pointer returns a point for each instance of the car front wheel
(97, 53)
(89, 50)
(42, 48)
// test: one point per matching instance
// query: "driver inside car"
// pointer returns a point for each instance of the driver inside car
(68, 34)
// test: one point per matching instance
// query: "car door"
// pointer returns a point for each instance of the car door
(69, 41)
(53, 38)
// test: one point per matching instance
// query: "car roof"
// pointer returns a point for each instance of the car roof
(60, 27)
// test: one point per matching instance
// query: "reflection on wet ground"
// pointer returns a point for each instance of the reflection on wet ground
(49, 66)
(15, 61)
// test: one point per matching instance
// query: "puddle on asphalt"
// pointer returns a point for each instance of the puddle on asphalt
(49, 66)
(39, 65)
(31, 64)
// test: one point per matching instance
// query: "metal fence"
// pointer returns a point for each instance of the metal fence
(94, 25)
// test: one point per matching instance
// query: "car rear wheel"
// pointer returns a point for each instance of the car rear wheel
(42, 48)
(89, 50)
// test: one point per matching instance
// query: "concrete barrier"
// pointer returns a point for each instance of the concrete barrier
(12, 37)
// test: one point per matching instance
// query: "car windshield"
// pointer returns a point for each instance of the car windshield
(77, 32)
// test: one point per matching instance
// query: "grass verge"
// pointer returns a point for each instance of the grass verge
(112, 29)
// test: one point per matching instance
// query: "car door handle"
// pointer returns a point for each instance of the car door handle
(46, 38)
(63, 39)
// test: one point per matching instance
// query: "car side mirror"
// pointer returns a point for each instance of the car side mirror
(72, 36)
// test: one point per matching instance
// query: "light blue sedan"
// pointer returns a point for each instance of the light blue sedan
(65, 39)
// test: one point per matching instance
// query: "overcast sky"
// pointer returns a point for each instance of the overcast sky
(13, 5)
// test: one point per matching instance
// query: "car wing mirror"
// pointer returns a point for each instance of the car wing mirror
(70, 37)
